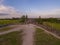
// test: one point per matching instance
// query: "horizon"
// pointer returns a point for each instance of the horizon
(33, 8)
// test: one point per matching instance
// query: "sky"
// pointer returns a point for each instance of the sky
(32, 8)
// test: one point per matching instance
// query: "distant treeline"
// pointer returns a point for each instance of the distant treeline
(10, 19)
(24, 18)
(57, 20)
(53, 20)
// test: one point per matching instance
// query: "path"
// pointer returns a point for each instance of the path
(28, 38)
(17, 28)
(48, 32)
(28, 30)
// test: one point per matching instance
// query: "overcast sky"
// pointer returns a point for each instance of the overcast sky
(33, 8)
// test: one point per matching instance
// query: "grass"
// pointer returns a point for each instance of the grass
(42, 38)
(13, 38)
(53, 25)
(6, 28)
(2, 22)
(6, 22)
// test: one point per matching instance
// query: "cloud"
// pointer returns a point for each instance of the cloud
(8, 11)
(2, 14)
(45, 13)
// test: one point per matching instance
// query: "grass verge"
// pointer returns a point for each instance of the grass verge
(13, 38)
(53, 25)
(43, 38)
(7, 28)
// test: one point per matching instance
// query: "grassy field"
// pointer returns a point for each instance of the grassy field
(13, 38)
(2, 22)
(53, 25)
(42, 38)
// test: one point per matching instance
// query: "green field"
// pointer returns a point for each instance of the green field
(13, 38)
(43, 38)
(53, 25)
(2, 22)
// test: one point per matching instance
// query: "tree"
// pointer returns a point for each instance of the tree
(26, 17)
(40, 20)
(23, 18)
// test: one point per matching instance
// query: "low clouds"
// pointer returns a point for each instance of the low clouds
(45, 13)
(8, 11)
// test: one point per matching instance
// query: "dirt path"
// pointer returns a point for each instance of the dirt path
(28, 31)
(17, 28)
(48, 32)
(28, 38)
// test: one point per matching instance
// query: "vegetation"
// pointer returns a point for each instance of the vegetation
(53, 25)
(13, 38)
(6, 28)
(3, 22)
(24, 18)
(50, 22)
(53, 20)
(39, 20)
(13, 20)
(43, 38)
